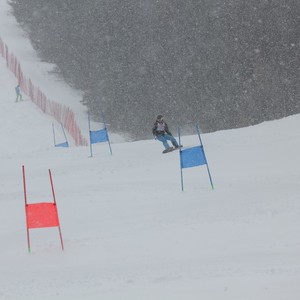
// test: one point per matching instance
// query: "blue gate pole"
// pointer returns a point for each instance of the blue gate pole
(106, 134)
(90, 134)
(62, 127)
(53, 134)
(181, 174)
(211, 182)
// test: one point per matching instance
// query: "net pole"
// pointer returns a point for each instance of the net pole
(108, 139)
(90, 134)
(61, 239)
(62, 127)
(54, 200)
(206, 163)
(181, 173)
(106, 132)
(52, 188)
(53, 134)
(25, 199)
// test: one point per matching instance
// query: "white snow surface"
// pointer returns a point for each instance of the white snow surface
(129, 231)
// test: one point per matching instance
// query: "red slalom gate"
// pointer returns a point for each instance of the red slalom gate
(41, 215)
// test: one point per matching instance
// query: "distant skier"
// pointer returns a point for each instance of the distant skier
(18, 92)
(162, 133)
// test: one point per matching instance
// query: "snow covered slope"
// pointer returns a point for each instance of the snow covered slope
(129, 231)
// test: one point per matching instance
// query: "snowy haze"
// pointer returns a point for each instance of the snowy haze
(225, 64)
(130, 232)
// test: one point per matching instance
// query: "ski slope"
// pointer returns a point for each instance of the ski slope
(130, 232)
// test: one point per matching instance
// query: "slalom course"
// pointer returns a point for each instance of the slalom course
(129, 231)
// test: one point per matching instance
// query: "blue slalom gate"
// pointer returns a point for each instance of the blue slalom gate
(62, 144)
(98, 136)
(193, 157)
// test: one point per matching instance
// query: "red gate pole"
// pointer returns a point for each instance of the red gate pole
(54, 200)
(25, 198)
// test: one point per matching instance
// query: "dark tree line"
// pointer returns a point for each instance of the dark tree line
(222, 64)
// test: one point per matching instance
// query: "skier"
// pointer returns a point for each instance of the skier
(18, 92)
(162, 133)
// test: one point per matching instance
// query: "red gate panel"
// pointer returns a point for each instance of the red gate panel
(40, 215)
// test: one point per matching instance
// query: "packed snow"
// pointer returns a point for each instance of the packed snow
(129, 231)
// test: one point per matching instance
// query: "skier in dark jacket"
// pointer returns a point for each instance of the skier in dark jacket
(162, 133)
